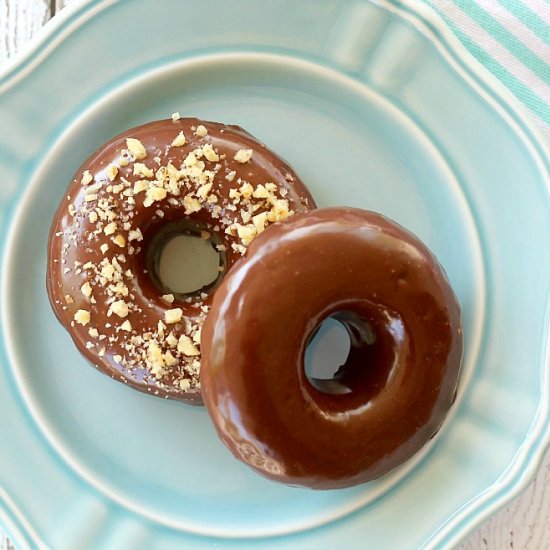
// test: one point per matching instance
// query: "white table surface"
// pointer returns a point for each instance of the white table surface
(522, 524)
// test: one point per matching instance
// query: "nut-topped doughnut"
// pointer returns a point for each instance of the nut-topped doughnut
(397, 383)
(175, 176)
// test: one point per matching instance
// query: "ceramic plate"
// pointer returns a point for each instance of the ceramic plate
(377, 106)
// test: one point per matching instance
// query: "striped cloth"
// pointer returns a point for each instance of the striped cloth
(512, 39)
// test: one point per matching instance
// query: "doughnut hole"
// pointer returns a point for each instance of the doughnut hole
(350, 356)
(182, 259)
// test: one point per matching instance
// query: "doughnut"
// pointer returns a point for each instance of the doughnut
(165, 178)
(395, 387)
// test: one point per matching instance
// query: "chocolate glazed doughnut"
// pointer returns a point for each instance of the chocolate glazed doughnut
(398, 382)
(179, 176)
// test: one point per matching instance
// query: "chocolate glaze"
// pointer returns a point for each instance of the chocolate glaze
(398, 382)
(72, 240)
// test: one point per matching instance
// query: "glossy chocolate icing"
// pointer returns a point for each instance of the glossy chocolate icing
(400, 377)
(75, 242)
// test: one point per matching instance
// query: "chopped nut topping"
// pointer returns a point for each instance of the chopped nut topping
(259, 221)
(171, 340)
(110, 228)
(246, 233)
(135, 235)
(119, 240)
(191, 205)
(190, 159)
(86, 289)
(172, 316)
(279, 212)
(179, 140)
(120, 308)
(112, 172)
(203, 191)
(260, 192)
(209, 153)
(154, 194)
(175, 116)
(136, 148)
(169, 349)
(140, 186)
(169, 359)
(86, 177)
(141, 170)
(186, 346)
(168, 298)
(246, 190)
(82, 316)
(243, 155)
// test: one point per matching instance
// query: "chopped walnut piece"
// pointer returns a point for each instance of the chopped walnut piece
(203, 190)
(201, 131)
(168, 298)
(110, 228)
(82, 316)
(169, 359)
(86, 177)
(260, 192)
(156, 360)
(136, 148)
(246, 233)
(190, 159)
(120, 308)
(135, 235)
(246, 190)
(142, 170)
(119, 240)
(280, 211)
(260, 221)
(243, 155)
(186, 346)
(191, 204)
(154, 194)
(112, 172)
(175, 116)
(86, 289)
(141, 185)
(209, 153)
(179, 140)
(172, 316)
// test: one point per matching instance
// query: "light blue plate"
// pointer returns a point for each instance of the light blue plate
(376, 105)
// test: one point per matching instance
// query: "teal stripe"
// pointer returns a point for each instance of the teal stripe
(524, 94)
(529, 18)
(506, 38)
